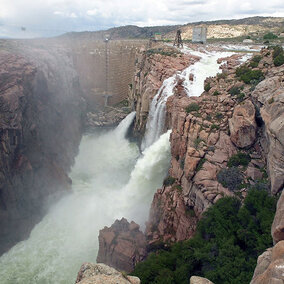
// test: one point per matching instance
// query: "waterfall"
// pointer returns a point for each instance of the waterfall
(205, 67)
(110, 180)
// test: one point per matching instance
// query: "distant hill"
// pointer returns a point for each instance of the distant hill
(216, 29)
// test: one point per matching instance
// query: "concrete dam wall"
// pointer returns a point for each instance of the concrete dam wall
(105, 69)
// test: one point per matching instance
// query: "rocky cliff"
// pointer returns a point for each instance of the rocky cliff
(153, 66)
(40, 129)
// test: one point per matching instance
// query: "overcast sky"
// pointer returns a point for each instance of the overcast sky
(53, 17)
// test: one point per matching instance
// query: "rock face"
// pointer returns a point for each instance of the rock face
(152, 69)
(270, 266)
(269, 94)
(101, 274)
(122, 245)
(242, 125)
(40, 130)
(277, 229)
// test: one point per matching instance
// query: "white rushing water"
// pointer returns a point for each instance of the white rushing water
(110, 180)
(207, 66)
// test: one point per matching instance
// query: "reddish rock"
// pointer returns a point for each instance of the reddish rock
(122, 245)
(242, 125)
(170, 219)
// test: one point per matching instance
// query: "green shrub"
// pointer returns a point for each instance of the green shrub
(271, 101)
(169, 181)
(200, 164)
(192, 107)
(230, 178)
(279, 60)
(254, 61)
(270, 35)
(219, 116)
(214, 126)
(197, 141)
(216, 93)
(277, 50)
(242, 70)
(207, 87)
(222, 75)
(224, 249)
(235, 91)
(256, 75)
(240, 159)
(240, 97)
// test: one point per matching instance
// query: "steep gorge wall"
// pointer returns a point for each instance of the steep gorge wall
(41, 112)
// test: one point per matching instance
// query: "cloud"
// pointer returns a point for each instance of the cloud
(53, 17)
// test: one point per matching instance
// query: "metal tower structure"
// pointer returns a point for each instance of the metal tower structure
(178, 39)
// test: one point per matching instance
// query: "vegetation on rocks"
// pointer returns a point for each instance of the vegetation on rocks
(239, 159)
(162, 51)
(248, 75)
(227, 242)
(278, 55)
(230, 178)
(207, 87)
(192, 107)
(169, 181)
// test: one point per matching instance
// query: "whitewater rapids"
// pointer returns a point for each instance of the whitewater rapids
(110, 180)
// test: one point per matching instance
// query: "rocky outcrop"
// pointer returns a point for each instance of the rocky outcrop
(203, 140)
(101, 274)
(270, 266)
(199, 280)
(176, 218)
(122, 245)
(269, 95)
(152, 68)
(242, 125)
(40, 130)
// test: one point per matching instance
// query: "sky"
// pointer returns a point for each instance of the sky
(38, 18)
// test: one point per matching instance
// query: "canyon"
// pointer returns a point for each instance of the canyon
(53, 91)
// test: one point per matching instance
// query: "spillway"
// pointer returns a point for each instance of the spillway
(110, 180)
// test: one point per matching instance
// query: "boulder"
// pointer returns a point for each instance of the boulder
(122, 245)
(101, 274)
(242, 125)
(199, 280)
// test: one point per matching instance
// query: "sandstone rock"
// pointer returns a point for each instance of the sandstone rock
(270, 266)
(242, 125)
(170, 219)
(277, 229)
(102, 274)
(199, 280)
(122, 245)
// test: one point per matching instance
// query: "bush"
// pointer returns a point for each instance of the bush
(169, 181)
(224, 249)
(222, 75)
(200, 164)
(207, 87)
(277, 50)
(279, 60)
(270, 35)
(219, 116)
(240, 97)
(216, 93)
(192, 107)
(214, 126)
(240, 159)
(254, 61)
(235, 91)
(230, 178)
